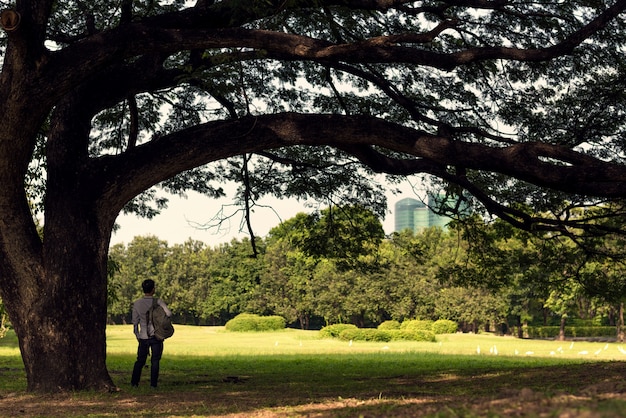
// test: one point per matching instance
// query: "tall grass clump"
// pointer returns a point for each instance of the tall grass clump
(255, 323)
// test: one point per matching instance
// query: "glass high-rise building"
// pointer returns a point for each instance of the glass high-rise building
(415, 215)
(433, 218)
(405, 214)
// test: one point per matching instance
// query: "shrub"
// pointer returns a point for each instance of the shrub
(271, 323)
(349, 332)
(413, 335)
(444, 326)
(415, 324)
(251, 323)
(387, 325)
(379, 335)
(576, 332)
(365, 334)
(333, 331)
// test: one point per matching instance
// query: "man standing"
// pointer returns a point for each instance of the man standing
(144, 332)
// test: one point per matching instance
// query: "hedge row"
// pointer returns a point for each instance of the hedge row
(373, 334)
(441, 326)
(251, 322)
(333, 331)
(570, 332)
(411, 330)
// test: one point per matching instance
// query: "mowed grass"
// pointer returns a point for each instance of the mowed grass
(216, 341)
(207, 371)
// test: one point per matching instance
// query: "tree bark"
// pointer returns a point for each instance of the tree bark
(62, 337)
(59, 315)
(562, 328)
(620, 323)
(55, 288)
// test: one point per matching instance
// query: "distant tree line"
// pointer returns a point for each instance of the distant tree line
(337, 266)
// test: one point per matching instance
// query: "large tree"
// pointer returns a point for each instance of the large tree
(103, 100)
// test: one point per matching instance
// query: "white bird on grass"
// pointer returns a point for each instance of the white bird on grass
(621, 349)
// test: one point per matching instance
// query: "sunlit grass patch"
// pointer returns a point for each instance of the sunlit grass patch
(207, 371)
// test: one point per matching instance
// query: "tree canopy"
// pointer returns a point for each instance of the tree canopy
(505, 280)
(516, 107)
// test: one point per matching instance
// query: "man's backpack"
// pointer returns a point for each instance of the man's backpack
(161, 323)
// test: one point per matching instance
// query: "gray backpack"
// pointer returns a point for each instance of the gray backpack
(161, 323)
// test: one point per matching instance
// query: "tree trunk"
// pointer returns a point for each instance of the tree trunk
(562, 328)
(620, 323)
(62, 333)
(55, 289)
(61, 326)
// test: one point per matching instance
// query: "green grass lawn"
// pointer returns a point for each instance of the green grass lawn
(215, 341)
(207, 371)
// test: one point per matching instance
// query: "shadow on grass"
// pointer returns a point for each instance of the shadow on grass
(383, 385)
(344, 385)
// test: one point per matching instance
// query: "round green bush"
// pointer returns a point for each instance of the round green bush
(365, 334)
(333, 331)
(349, 332)
(415, 324)
(271, 323)
(444, 326)
(391, 324)
(252, 323)
(413, 335)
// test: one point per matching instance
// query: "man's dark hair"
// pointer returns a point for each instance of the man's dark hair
(147, 285)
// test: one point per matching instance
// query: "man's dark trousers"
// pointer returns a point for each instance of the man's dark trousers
(145, 347)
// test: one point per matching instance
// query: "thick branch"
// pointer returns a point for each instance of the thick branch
(544, 165)
(200, 30)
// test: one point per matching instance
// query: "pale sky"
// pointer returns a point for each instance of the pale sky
(183, 219)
